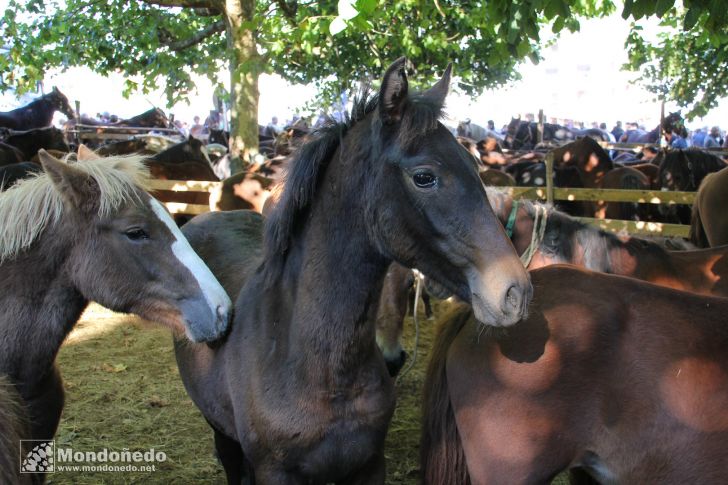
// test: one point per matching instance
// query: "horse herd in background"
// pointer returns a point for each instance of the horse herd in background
(619, 377)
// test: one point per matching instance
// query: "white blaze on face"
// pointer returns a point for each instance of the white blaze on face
(215, 295)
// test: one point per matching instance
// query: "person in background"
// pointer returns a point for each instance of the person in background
(617, 131)
(491, 125)
(676, 141)
(273, 129)
(181, 127)
(648, 153)
(196, 128)
(603, 127)
(213, 122)
(713, 140)
(699, 135)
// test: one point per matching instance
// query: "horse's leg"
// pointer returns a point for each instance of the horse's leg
(45, 408)
(373, 473)
(428, 305)
(231, 457)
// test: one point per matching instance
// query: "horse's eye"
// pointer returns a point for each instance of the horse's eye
(424, 179)
(136, 234)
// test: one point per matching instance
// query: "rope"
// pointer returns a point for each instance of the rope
(418, 294)
(539, 229)
(512, 219)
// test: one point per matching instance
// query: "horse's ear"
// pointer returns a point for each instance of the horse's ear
(85, 154)
(77, 187)
(393, 93)
(439, 91)
(55, 89)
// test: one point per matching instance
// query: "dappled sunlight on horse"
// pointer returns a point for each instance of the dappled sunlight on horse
(607, 374)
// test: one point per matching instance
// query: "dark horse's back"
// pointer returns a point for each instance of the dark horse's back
(230, 243)
(614, 374)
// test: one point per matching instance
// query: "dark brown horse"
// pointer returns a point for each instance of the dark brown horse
(684, 170)
(152, 118)
(11, 174)
(183, 161)
(624, 380)
(298, 392)
(244, 190)
(38, 113)
(88, 231)
(29, 142)
(709, 221)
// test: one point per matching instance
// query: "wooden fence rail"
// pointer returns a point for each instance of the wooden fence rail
(533, 193)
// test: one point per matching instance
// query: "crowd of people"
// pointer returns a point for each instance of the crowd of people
(702, 137)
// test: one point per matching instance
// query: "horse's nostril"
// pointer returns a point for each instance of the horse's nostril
(514, 300)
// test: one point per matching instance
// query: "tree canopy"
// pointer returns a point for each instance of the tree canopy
(333, 44)
(330, 43)
(688, 60)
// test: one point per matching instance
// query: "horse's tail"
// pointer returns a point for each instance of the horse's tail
(12, 429)
(441, 452)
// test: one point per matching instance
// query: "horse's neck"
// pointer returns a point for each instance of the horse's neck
(332, 282)
(522, 230)
(38, 308)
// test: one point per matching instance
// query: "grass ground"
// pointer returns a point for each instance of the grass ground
(123, 391)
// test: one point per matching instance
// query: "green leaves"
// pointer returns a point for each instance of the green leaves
(688, 66)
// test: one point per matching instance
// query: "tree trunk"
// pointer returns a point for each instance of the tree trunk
(245, 68)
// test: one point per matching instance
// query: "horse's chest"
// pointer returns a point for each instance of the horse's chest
(324, 433)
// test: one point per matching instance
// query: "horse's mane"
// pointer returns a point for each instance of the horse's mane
(31, 205)
(420, 116)
(595, 242)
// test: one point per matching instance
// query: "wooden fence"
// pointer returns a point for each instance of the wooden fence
(533, 193)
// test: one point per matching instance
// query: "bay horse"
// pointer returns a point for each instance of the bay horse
(38, 113)
(565, 240)
(610, 376)
(298, 392)
(684, 170)
(88, 231)
(709, 224)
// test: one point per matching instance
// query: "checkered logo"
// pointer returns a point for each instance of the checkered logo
(40, 458)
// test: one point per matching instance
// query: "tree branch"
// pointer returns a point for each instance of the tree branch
(207, 12)
(288, 10)
(183, 3)
(203, 34)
